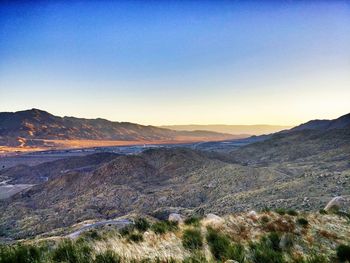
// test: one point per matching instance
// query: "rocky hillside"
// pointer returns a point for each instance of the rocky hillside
(32, 127)
(157, 182)
(266, 237)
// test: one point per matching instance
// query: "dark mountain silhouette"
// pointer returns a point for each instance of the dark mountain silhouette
(339, 123)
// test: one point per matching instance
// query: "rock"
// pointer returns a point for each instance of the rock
(214, 219)
(175, 217)
(335, 204)
(231, 261)
(253, 215)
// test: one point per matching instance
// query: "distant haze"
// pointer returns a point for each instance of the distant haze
(231, 129)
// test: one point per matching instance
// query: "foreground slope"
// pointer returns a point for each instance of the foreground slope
(265, 237)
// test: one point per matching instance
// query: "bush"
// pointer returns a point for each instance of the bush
(323, 212)
(262, 252)
(343, 252)
(164, 226)
(72, 252)
(197, 257)
(303, 222)
(135, 237)
(20, 254)
(316, 258)
(273, 241)
(141, 224)
(292, 212)
(193, 220)
(108, 256)
(127, 230)
(221, 247)
(192, 239)
(266, 209)
(92, 234)
(264, 219)
(280, 211)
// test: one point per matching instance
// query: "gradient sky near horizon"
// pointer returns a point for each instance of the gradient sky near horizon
(177, 62)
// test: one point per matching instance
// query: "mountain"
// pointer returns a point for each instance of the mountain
(300, 169)
(39, 128)
(231, 129)
(339, 123)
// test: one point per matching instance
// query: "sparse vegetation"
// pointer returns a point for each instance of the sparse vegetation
(162, 227)
(192, 239)
(266, 251)
(108, 256)
(280, 211)
(141, 224)
(72, 252)
(20, 254)
(135, 237)
(193, 220)
(224, 241)
(222, 248)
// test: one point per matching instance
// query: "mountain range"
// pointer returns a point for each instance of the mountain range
(258, 129)
(302, 168)
(39, 128)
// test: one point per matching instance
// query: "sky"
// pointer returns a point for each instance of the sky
(177, 62)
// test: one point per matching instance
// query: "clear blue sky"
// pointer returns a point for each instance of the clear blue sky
(177, 62)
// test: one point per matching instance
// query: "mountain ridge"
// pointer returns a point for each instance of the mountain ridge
(33, 127)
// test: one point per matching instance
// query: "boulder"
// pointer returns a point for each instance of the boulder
(253, 215)
(214, 219)
(335, 204)
(175, 217)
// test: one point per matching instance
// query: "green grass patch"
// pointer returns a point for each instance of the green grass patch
(192, 239)
(141, 224)
(163, 227)
(108, 256)
(222, 248)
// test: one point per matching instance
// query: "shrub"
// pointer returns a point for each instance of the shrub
(221, 247)
(323, 212)
(264, 219)
(72, 252)
(262, 252)
(303, 222)
(292, 212)
(108, 256)
(164, 226)
(197, 257)
(92, 234)
(273, 241)
(135, 237)
(141, 224)
(192, 239)
(280, 211)
(127, 230)
(316, 258)
(20, 254)
(266, 209)
(193, 220)
(343, 252)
